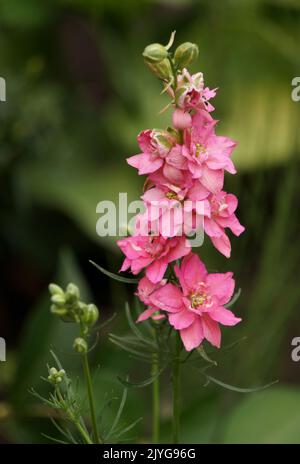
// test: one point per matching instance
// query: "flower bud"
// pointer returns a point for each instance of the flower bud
(181, 119)
(185, 54)
(80, 345)
(56, 376)
(90, 314)
(161, 70)
(155, 53)
(58, 311)
(55, 290)
(72, 292)
(58, 299)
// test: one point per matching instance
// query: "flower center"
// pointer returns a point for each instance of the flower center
(218, 206)
(200, 150)
(197, 299)
(171, 195)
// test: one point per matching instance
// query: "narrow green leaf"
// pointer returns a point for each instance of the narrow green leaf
(134, 328)
(142, 384)
(238, 389)
(234, 298)
(125, 280)
(119, 413)
(133, 424)
(205, 356)
(130, 350)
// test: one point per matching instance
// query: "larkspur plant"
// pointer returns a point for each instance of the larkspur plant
(179, 304)
(183, 192)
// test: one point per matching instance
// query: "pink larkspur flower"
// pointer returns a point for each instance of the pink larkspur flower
(144, 292)
(155, 145)
(222, 206)
(181, 119)
(173, 213)
(153, 253)
(196, 308)
(191, 93)
(207, 154)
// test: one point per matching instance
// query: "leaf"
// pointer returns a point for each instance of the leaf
(129, 427)
(264, 418)
(119, 413)
(205, 356)
(234, 298)
(125, 280)
(134, 328)
(238, 389)
(142, 384)
(130, 350)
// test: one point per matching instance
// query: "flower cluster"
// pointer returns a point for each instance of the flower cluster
(185, 166)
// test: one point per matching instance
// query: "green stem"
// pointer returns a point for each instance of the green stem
(176, 390)
(88, 380)
(83, 433)
(70, 414)
(155, 400)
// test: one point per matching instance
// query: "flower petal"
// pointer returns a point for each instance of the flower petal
(167, 298)
(193, 335)
(221, 285)
(211, 331)
(182, 319)
(224, 316)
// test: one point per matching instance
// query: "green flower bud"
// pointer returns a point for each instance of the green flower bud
(90, 314)
(80, 345)
(55, 290)
(56, 376)
(72, 293)
(185, 54)
(155, 53)
(161, 70)
(58, 311)
(58, 299)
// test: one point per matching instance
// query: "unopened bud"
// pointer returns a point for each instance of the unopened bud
(55, 289)
(185, 54)
(161, 70)
(58, 311)
(56, 376)
(90, 314)
(72, 292)
(80, 345)
(58, 299)
(155, 53)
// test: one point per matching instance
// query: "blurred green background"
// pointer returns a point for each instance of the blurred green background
(78, 93)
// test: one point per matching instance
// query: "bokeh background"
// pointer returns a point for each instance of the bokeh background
(78, 93)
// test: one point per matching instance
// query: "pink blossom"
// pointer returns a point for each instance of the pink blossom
(144, 292)
(196, 308)
(207, 154)
(155, 145)
(181, 119)
(222, 206)
(153, 253)
(173, 212)
(191, 93)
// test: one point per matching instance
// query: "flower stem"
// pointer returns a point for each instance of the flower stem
(176, 390)
(88, 380)
(83, 433)
(155, 400)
